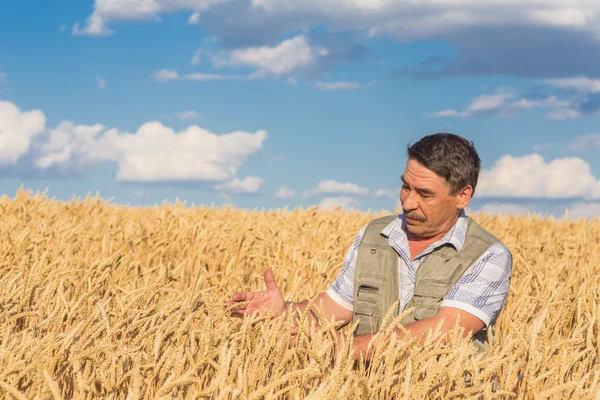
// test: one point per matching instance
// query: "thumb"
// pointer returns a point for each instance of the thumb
(269, 281)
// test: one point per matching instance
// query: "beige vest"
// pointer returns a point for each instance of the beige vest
(376, 277)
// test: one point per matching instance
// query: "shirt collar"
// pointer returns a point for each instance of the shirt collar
(397, 234)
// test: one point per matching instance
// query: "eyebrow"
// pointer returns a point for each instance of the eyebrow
(421, 190)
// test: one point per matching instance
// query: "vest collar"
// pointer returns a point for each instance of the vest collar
(397, 234)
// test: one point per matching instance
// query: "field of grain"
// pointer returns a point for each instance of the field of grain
(104, 301)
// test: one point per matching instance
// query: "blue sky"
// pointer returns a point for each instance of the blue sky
(268, 104)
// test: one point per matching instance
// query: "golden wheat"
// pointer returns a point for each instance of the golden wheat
(105, 301)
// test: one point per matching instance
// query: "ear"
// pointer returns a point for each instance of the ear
(463, 197)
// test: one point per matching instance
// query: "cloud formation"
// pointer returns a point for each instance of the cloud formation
(561, 37)
(504, 104)
(379, 17)
(18, 129)
(532, 177)
(186, 115)
(330, 187)
(586, 142)
(584, 210)
(339, 85)
(579, 83)
(497, 208)
(288, 56)
(154, 153)
(343, 202)
(285, 193)
(166, 75)
(248, 185)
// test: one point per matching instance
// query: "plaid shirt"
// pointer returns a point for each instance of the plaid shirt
(482, 290)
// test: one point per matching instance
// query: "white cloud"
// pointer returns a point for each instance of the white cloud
(285, 193)
(596, 192)
(448, 113)
(186, 115)
(580, 83)
(286, 57)
(531, 176)
(333, 187)
(586, 142)
(503, 209)
(500, 104)
(488, 102)
(584, 210)
(564, 114)
(576, 210)
(194, 18)
(549, 102)
(155, 152)
(543, 147)
(17, 131)
(248, 185)
(344, 202)
(386, 193)
(94, 25)
(100, 82)
(68, 140)
(166, 75)
(199, 76)
(197, 58)
(480, 105)
(404, 20)
(339, 85)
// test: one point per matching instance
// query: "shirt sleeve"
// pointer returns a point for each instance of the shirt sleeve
(483, 288)
(342, 289)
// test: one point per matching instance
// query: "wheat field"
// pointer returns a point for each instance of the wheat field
(99, 300)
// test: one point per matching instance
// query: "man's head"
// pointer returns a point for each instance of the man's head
(438, 182)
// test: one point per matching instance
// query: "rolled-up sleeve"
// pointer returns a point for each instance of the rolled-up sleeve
(483, 288)
(342, 289)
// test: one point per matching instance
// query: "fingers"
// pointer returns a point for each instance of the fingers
(270, 281)
(238, 306)
(243, 312)
(243, 296)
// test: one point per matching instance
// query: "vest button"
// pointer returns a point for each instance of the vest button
(373, 251)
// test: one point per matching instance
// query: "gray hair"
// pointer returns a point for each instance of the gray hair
(449, 156)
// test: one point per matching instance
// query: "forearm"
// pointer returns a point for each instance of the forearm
(299, 308)
(417, 330)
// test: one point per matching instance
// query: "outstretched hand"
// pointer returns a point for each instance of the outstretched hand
(259, 302)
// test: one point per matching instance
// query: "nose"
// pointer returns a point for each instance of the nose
(409, 200)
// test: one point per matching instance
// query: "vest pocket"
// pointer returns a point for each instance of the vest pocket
(428, 296)
(367, 304)
(368, 313)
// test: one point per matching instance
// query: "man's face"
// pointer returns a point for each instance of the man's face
(426, 201)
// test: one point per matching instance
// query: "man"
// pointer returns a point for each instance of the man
(432, 258)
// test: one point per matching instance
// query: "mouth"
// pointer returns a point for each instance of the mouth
(411, 220)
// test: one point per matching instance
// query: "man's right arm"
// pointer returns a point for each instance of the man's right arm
(331, 309)
(337, 300)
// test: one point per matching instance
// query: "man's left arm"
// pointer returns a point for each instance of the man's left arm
(477, 298)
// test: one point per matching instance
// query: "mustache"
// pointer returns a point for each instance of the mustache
(414, 215)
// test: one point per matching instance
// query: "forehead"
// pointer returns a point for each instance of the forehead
(419, 176)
